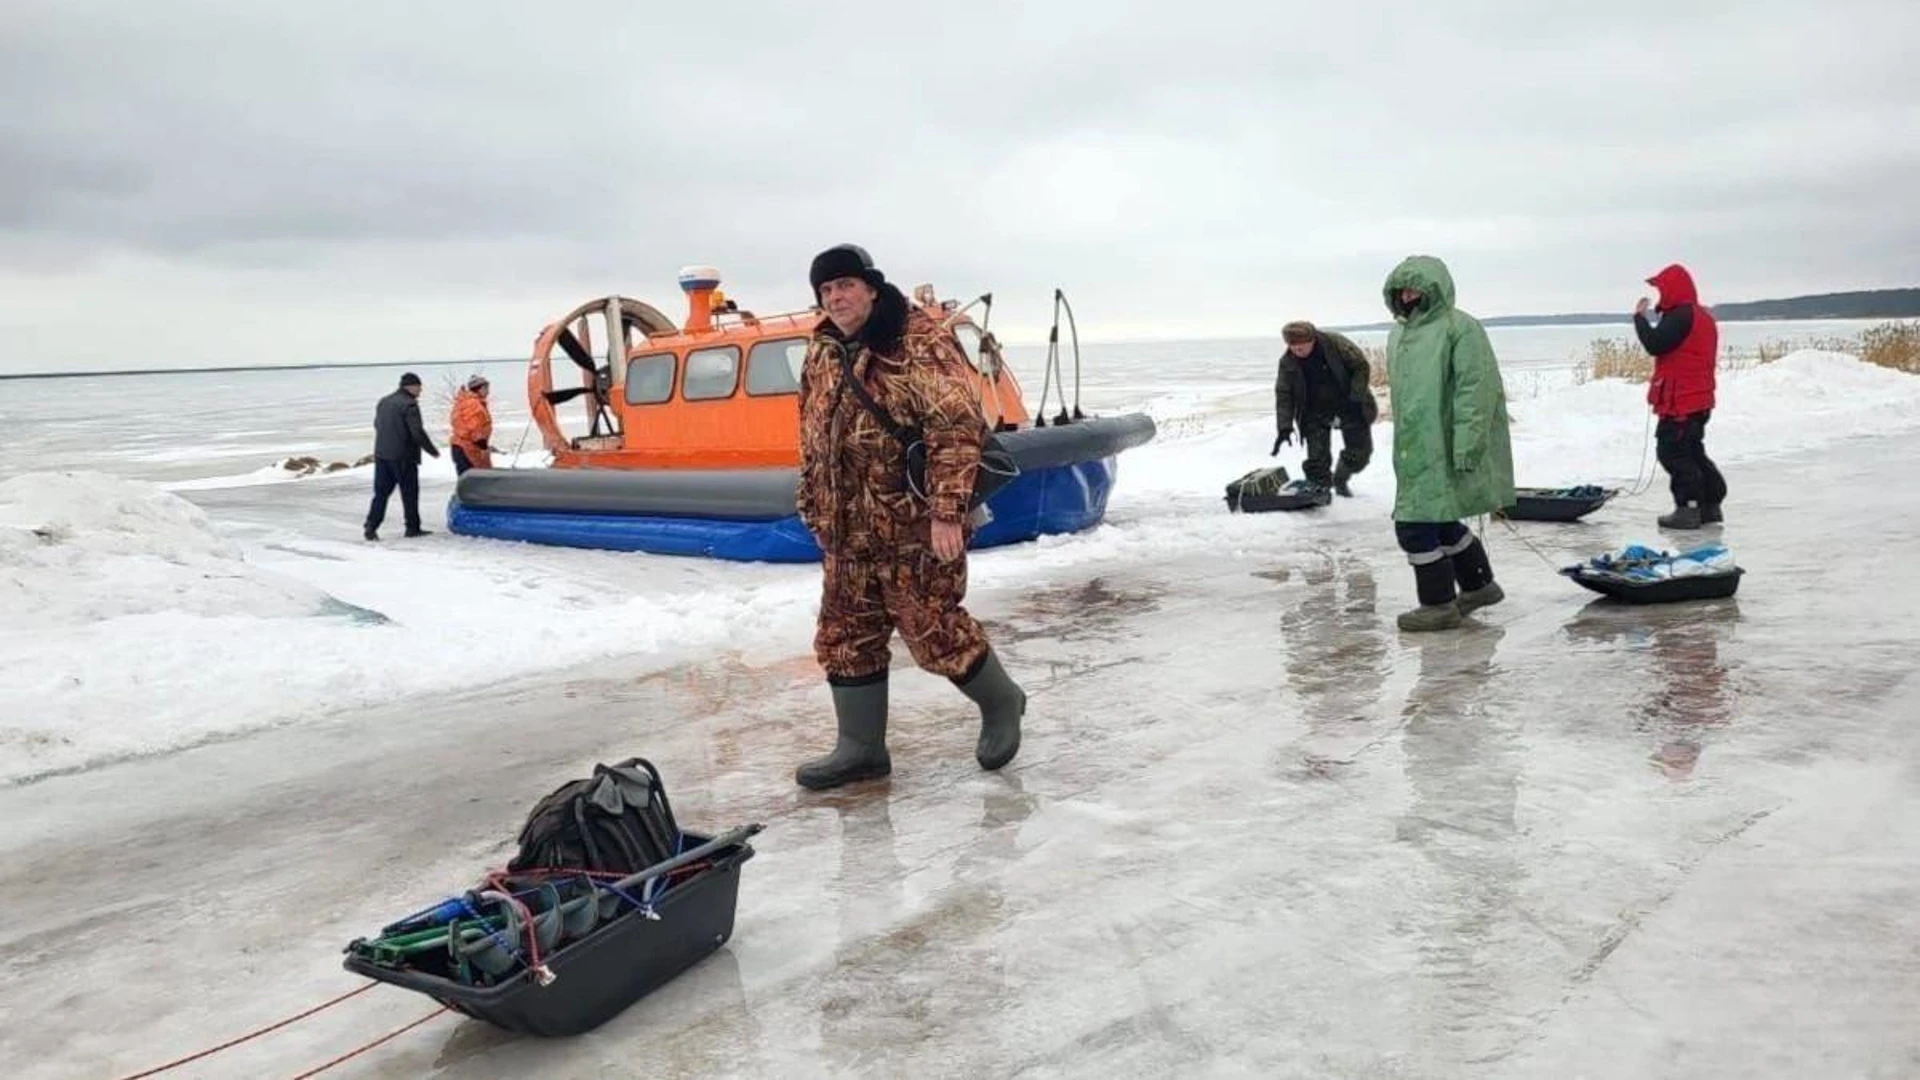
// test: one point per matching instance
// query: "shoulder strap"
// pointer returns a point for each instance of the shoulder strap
(852, 382)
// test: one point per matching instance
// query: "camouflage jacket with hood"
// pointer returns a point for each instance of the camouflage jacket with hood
(853, 493)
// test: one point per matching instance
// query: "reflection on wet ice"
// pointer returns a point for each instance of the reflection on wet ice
(1462, 757)
(1687, 695)
(908, 970)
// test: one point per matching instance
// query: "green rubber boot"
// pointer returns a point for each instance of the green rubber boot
(861, 750)
(1002, 704)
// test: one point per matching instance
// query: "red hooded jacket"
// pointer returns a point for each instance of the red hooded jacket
(1684, 346)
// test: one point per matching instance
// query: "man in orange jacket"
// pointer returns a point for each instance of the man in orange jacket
(472, 426)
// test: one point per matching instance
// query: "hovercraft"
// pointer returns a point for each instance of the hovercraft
(692, 444)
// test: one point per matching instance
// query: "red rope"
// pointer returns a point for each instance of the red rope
(252, 1034)
(533, 948)
(351, 1054)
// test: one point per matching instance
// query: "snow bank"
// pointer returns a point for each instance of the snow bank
(81, 548)
(1602, 431)
(131, 624)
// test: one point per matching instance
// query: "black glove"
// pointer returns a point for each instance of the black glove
(481, 444)
(1284, 438)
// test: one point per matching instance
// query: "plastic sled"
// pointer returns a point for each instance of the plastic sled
(631, 952)
(1557, 504)
(1662, 591)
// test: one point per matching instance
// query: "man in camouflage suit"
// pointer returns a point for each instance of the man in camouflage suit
(1324, 381)
(891, 558)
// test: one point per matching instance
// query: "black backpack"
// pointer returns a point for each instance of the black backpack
(617, 821)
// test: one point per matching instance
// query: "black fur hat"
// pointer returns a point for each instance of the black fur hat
(843, 260)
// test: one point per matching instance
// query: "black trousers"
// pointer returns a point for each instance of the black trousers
(389, 473)
(1681, 446)
(1443, 554)
(461, 463)
(1430, 541)
(1356, 446)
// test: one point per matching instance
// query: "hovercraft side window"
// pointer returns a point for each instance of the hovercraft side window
(773, 367)
(711, 373)
(650, 379)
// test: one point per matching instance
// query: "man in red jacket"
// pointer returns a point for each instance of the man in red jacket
(1685, 344)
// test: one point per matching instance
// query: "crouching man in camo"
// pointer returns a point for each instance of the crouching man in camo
(891, 558)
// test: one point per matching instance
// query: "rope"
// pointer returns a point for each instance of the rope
(1643, 475)
(156, 1070)
(351, 1054)
(1529, 545)
(524, 432)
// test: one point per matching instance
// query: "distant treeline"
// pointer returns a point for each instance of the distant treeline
(1868, 304)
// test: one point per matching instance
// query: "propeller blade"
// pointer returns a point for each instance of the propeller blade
(574, 350)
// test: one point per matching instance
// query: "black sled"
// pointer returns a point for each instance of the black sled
(1641, 575)
(559, 950)
(1557, 504)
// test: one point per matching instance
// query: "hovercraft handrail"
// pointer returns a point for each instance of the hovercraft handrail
(1053, 366)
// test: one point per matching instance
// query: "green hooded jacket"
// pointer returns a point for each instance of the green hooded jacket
(1452, 458)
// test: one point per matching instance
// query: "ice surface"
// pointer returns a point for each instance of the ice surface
(237, 644)
(1253, 830)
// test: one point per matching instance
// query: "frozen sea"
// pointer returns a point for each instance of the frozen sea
(1253, 829)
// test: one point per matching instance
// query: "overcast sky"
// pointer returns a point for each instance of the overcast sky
(188, 182)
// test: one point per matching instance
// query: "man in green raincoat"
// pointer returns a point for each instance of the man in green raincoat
(1451, 455)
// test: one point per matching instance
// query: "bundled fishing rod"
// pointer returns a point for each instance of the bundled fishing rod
(1053, 366)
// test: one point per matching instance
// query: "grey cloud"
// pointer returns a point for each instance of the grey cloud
(1203, 164)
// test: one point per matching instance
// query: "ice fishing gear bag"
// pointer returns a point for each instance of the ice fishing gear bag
(1258, 483)
(997, 467)
(618, 820)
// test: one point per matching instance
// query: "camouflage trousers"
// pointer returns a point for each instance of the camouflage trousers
(863, 601)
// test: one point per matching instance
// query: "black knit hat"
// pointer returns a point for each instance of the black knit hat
(409, 379)
(843, 260)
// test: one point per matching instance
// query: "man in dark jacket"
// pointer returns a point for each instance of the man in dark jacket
(398, 437)
(1685, 344)
(1324, 380)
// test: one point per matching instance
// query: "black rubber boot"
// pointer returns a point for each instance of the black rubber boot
(1710, 514)
(1002, 704)
(861, 751)
(1340, 478)
(1683, 517)
(1474, 574)
(1438, 609)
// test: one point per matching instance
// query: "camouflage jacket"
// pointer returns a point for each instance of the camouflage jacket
(853, 491)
